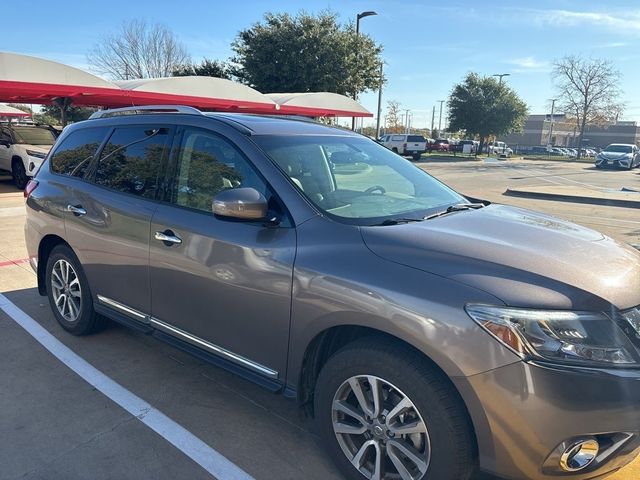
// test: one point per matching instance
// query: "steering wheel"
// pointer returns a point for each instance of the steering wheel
(376, 188)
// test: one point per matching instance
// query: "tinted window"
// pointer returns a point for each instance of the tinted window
(130, 161)
(34, 135)
(416, 138)
(74, 154)
(206, 165)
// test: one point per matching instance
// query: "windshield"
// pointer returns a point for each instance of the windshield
(618, 148)
(34, 135)
(356, 180)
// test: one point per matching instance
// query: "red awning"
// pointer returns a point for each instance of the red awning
(25, 79)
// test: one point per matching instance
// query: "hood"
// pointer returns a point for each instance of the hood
(526, 259)
(38, 148)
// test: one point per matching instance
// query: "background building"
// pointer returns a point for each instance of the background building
(566, 134)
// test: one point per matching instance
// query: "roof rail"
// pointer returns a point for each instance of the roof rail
(140, 110)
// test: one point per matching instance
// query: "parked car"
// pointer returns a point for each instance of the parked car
(429, 334)
(500, 148)
(439, 145)
(459, 146)
(623, 155)
(23, 147)
(406, 145)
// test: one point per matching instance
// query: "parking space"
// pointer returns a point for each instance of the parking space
(55, 425)
(490, 179)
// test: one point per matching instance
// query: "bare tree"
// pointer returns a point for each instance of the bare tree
(394, 124)
(588, 89)
(138, 50)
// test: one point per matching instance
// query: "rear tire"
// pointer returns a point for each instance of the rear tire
(441, 444)
(19, 174)
(416, 157)
(69, 294)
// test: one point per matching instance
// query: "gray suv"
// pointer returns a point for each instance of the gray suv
(429, 334)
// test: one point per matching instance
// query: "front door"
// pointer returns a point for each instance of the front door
(221, 284)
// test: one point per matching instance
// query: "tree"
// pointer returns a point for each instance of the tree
(71, 113)
(306, 53)
(588, 89)
(393, 123)
(206, 68)
(483, 106)
(138, 50)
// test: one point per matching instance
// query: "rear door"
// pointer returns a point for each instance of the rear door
(221, 284)
(109, 215)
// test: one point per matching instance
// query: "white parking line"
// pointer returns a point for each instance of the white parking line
(201, 453)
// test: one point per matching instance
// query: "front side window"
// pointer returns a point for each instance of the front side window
(206, 165)
(130, 161)
(356, 180)
(74, 154)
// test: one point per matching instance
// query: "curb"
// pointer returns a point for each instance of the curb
(611, 202)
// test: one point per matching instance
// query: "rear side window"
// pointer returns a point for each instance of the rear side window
(397, 138)
(130, 161)
(74, 154)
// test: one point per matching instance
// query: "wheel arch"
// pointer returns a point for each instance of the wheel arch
(47, 244)
(329, 341)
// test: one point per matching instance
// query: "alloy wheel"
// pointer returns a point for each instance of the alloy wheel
(67, 293)
(380, 430)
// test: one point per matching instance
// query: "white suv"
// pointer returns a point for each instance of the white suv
(405, 145)
(23, 148)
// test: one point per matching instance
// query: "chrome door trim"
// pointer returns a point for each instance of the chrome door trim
(215, 349)
(131, 312)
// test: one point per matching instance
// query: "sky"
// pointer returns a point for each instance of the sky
(428, 46)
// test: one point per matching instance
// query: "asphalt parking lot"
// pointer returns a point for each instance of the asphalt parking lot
(56, 425)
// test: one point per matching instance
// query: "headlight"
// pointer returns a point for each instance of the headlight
(33, 153)
(582, 338)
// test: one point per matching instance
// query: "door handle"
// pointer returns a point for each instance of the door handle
(168, 237)
(78, 211)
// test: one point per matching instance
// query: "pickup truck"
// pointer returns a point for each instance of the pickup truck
(406, 145)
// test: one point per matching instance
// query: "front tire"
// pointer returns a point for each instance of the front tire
(19, 174)
(385, 413)
(69, 294)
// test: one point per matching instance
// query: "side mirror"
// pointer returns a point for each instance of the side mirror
(240, 203)
(6, 143)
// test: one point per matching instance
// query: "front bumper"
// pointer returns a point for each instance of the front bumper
(618, 163)
(523, 412)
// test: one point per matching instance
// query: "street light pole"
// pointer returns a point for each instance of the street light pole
(379, 104)
(553, 103)
(440, 119)
(433, 119)
(355, 77)
(500, 75)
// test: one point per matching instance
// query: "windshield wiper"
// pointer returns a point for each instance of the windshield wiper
(397, 221)
(458, 207)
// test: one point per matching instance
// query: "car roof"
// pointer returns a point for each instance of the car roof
(246, 123)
